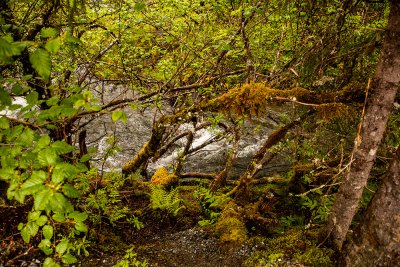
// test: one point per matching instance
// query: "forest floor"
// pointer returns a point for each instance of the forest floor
(166, 240)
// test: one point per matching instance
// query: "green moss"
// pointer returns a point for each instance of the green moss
(230, 226)
(293, 246)
(162, 178)
(314, 257)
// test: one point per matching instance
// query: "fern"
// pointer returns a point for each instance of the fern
(166, 201)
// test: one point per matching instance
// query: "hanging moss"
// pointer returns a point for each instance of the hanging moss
(331, 111)
(252, 99)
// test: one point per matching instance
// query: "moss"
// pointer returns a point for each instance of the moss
(230, 226)
(163, 178)
(292, 246)
(130, 166)
(315, 257)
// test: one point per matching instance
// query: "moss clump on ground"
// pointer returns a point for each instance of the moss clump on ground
(163, 178)
(292, 246)
(230, 226)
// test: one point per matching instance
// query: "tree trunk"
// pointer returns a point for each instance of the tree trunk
(263, 157)
(377, 240)
(220, 178)
(383, 93)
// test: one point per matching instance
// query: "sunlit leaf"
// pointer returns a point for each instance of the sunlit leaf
(41, 62)
(70, 191)
(48, 231)
(48, 32)
(41, 199)
(42, 220)
(45, 246)
(69, 259)
(61, 147)
(62, 246)
(53, 45)
(47, 157)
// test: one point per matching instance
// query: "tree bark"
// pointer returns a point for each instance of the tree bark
(377, 239)
(383, 93)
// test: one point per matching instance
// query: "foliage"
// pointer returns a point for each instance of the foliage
(130, 259)
(61, 59)
(211, 203)
(161, 199)
(318, 205)
(105, 202)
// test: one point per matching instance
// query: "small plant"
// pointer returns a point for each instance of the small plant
(130, 259)
(106, 202)
(161, 199)
(319, 206)
(212, 205)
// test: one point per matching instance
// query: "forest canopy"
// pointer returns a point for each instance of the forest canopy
(324, 72)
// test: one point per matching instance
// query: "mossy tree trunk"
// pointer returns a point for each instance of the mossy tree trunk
(183, 154)
(148, 150)
(376, 240)
(263, 156)
(220, 178)
(383, 93)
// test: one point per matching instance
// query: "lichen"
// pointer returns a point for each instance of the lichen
(163, 178)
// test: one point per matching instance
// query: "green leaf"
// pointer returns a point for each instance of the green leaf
(78, 216)
(53, 45)
(53, 100)
(25, 234)
(47, 157)
(41, 62)
(64, 170)
(119, 115)
(32, 98)
(95, 108)
(69, 259)
(27, 77)
(26, 138)
(61, 147)
(58, 203)
(79, 103)
(42, 199)
(34, 215)
(45, 246)
(33, 228)
(42, 220)
(49, 262)
(5, 98)
(85, 158)
(43, 142)
(70, 191)
(20, 226)
(62, 246)
(59, 217)
(8, 49)
(18, 89)
(48, 32)
(31, 185)
(4, 123)
(81, 227)
(48, 231)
